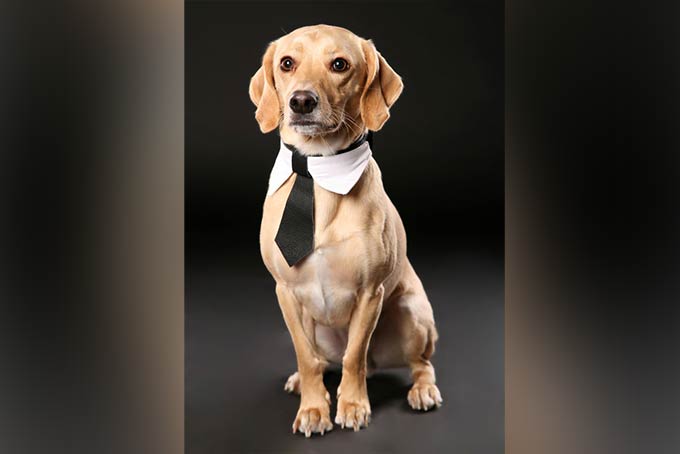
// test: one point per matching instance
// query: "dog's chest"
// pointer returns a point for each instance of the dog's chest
(348, 249)
(325, 287)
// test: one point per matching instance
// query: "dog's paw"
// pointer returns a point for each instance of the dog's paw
(353, 414)
(424, 397)
(293, 384)
(313, 419)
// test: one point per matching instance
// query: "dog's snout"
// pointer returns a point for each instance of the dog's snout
(303, 101)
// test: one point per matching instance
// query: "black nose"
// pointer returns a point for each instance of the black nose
(303, 101)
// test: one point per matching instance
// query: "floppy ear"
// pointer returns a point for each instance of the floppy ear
(383, 87)
(263, 93)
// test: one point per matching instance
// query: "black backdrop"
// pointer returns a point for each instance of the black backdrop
(441, 152)
(442, 159)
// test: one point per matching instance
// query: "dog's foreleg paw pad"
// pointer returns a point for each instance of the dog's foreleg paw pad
(312, 420)
(353, 415)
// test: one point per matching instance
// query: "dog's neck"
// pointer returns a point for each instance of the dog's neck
(322, 145)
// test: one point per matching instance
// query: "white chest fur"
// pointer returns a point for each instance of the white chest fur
(328, 293)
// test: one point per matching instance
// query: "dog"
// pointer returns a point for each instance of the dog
(355, 300)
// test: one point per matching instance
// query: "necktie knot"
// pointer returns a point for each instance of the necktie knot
(299, 164)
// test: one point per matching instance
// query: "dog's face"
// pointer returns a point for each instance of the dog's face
(323, 83)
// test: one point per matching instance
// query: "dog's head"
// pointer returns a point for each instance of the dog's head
(323, 84)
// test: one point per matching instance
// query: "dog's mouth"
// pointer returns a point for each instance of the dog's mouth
(309, 127)
(303, 122)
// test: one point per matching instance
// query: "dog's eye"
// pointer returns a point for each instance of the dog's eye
(339, 65)
(287, 64)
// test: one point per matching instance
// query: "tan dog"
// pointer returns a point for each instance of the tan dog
(355, 300)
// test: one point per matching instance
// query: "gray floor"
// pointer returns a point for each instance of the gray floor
(239, 354)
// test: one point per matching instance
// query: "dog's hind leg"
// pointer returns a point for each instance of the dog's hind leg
(424, 393)
(292, 385)
(406, 336)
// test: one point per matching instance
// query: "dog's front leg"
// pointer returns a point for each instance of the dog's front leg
(314, 413)
(354, 409)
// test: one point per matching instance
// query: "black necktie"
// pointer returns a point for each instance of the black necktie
(295, 237)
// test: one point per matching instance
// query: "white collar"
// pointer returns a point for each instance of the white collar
(338, 173)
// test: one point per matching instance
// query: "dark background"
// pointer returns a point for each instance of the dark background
(441, 152)
(92, 245)
(441, 155)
